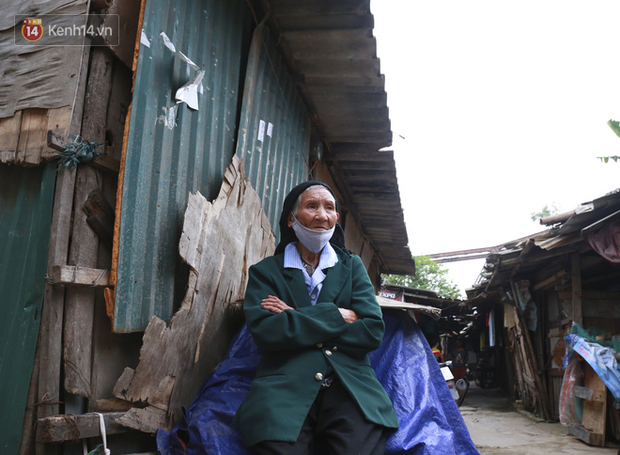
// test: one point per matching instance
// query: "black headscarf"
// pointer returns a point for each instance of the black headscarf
(287, 235)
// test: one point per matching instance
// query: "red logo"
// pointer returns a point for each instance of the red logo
(32, 29)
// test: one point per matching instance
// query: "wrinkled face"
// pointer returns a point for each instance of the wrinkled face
(317, 210)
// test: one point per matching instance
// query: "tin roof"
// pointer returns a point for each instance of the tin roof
(332, 53)
(539, 255)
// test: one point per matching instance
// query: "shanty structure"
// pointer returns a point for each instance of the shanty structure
(142, 172)
(537, 290)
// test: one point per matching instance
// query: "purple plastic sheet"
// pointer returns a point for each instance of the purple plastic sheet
(430, 421)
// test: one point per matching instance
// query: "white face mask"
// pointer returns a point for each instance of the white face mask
(315, 241)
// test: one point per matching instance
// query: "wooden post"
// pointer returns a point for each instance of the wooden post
(79, 302)
(575, 262)
(539, 388)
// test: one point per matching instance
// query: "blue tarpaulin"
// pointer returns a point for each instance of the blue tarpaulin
(430, 421)
(600, 358)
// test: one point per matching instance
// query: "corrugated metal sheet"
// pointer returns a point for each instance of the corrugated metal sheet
(26, 199)
(331, 49)
(171, 149)
(274, 131)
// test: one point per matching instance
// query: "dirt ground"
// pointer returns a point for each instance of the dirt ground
(496, 427)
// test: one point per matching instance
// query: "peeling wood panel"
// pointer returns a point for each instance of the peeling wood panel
(9, 137)
(23, 137)
(220, 240)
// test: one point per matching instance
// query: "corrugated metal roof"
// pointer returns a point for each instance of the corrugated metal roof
(330, 48)
(529, 255)
(173, 150)
(274, 130)
(26, 199)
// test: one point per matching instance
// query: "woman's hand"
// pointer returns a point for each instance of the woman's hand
(275, 305)
(349, 316)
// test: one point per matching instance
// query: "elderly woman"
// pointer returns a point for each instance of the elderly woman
(312, 311)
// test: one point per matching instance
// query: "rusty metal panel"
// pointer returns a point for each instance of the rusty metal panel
(274, 130)
(26, 200)
(173, 150)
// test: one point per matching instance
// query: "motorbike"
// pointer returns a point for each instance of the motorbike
(459, 388)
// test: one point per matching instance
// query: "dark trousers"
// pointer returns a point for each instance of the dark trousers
(335, 425)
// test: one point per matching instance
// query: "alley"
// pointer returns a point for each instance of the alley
(496, 427)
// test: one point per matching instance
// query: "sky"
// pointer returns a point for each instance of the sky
(498, 108)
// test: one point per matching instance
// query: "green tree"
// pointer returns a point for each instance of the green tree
(429, 276)
(615, 126)
(545, 212)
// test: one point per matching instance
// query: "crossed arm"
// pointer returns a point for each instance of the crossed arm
(277, 306)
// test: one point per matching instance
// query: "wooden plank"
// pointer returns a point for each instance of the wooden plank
(551, 281)
(580, 432)
(595, 411)
(50, 333)
(58, 121)
(68, 275)
(105, 162)
(80, 301)
(529, 356)
(575, 261)
(147, 420)
(113, 405)
(219, 241)
(32, 137)
(62, 428)
(585, 393)
(100, 217)
(9, 137)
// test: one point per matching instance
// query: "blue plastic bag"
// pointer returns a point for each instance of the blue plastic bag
(601, 360)
(430, 421)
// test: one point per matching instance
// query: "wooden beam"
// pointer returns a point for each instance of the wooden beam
(9, 137)
(80, 301)
(550, 281)
(575, 260)
(102, 162)
(60, 428)
(100, 216)
(31, 136)
(68, 275)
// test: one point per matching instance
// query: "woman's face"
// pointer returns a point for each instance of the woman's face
(317, 210)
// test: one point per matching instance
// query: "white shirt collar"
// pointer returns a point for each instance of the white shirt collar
(292, 259)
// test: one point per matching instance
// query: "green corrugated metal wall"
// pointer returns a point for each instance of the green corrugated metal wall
(167, 159)
(26, 201)
(274, 131)
(169, 156)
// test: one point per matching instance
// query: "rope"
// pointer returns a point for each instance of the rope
(79, 151)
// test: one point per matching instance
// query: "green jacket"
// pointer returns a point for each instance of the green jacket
(299, 344)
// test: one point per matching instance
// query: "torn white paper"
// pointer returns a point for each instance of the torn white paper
(189, 92)
(167, 42)
(270, 129)
(261, 130)
(188, 60)
(170, 120)
(144, 39)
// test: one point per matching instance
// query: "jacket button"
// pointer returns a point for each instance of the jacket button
(335, 348)
(320, 345)
(328, 353)
(318, 376)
